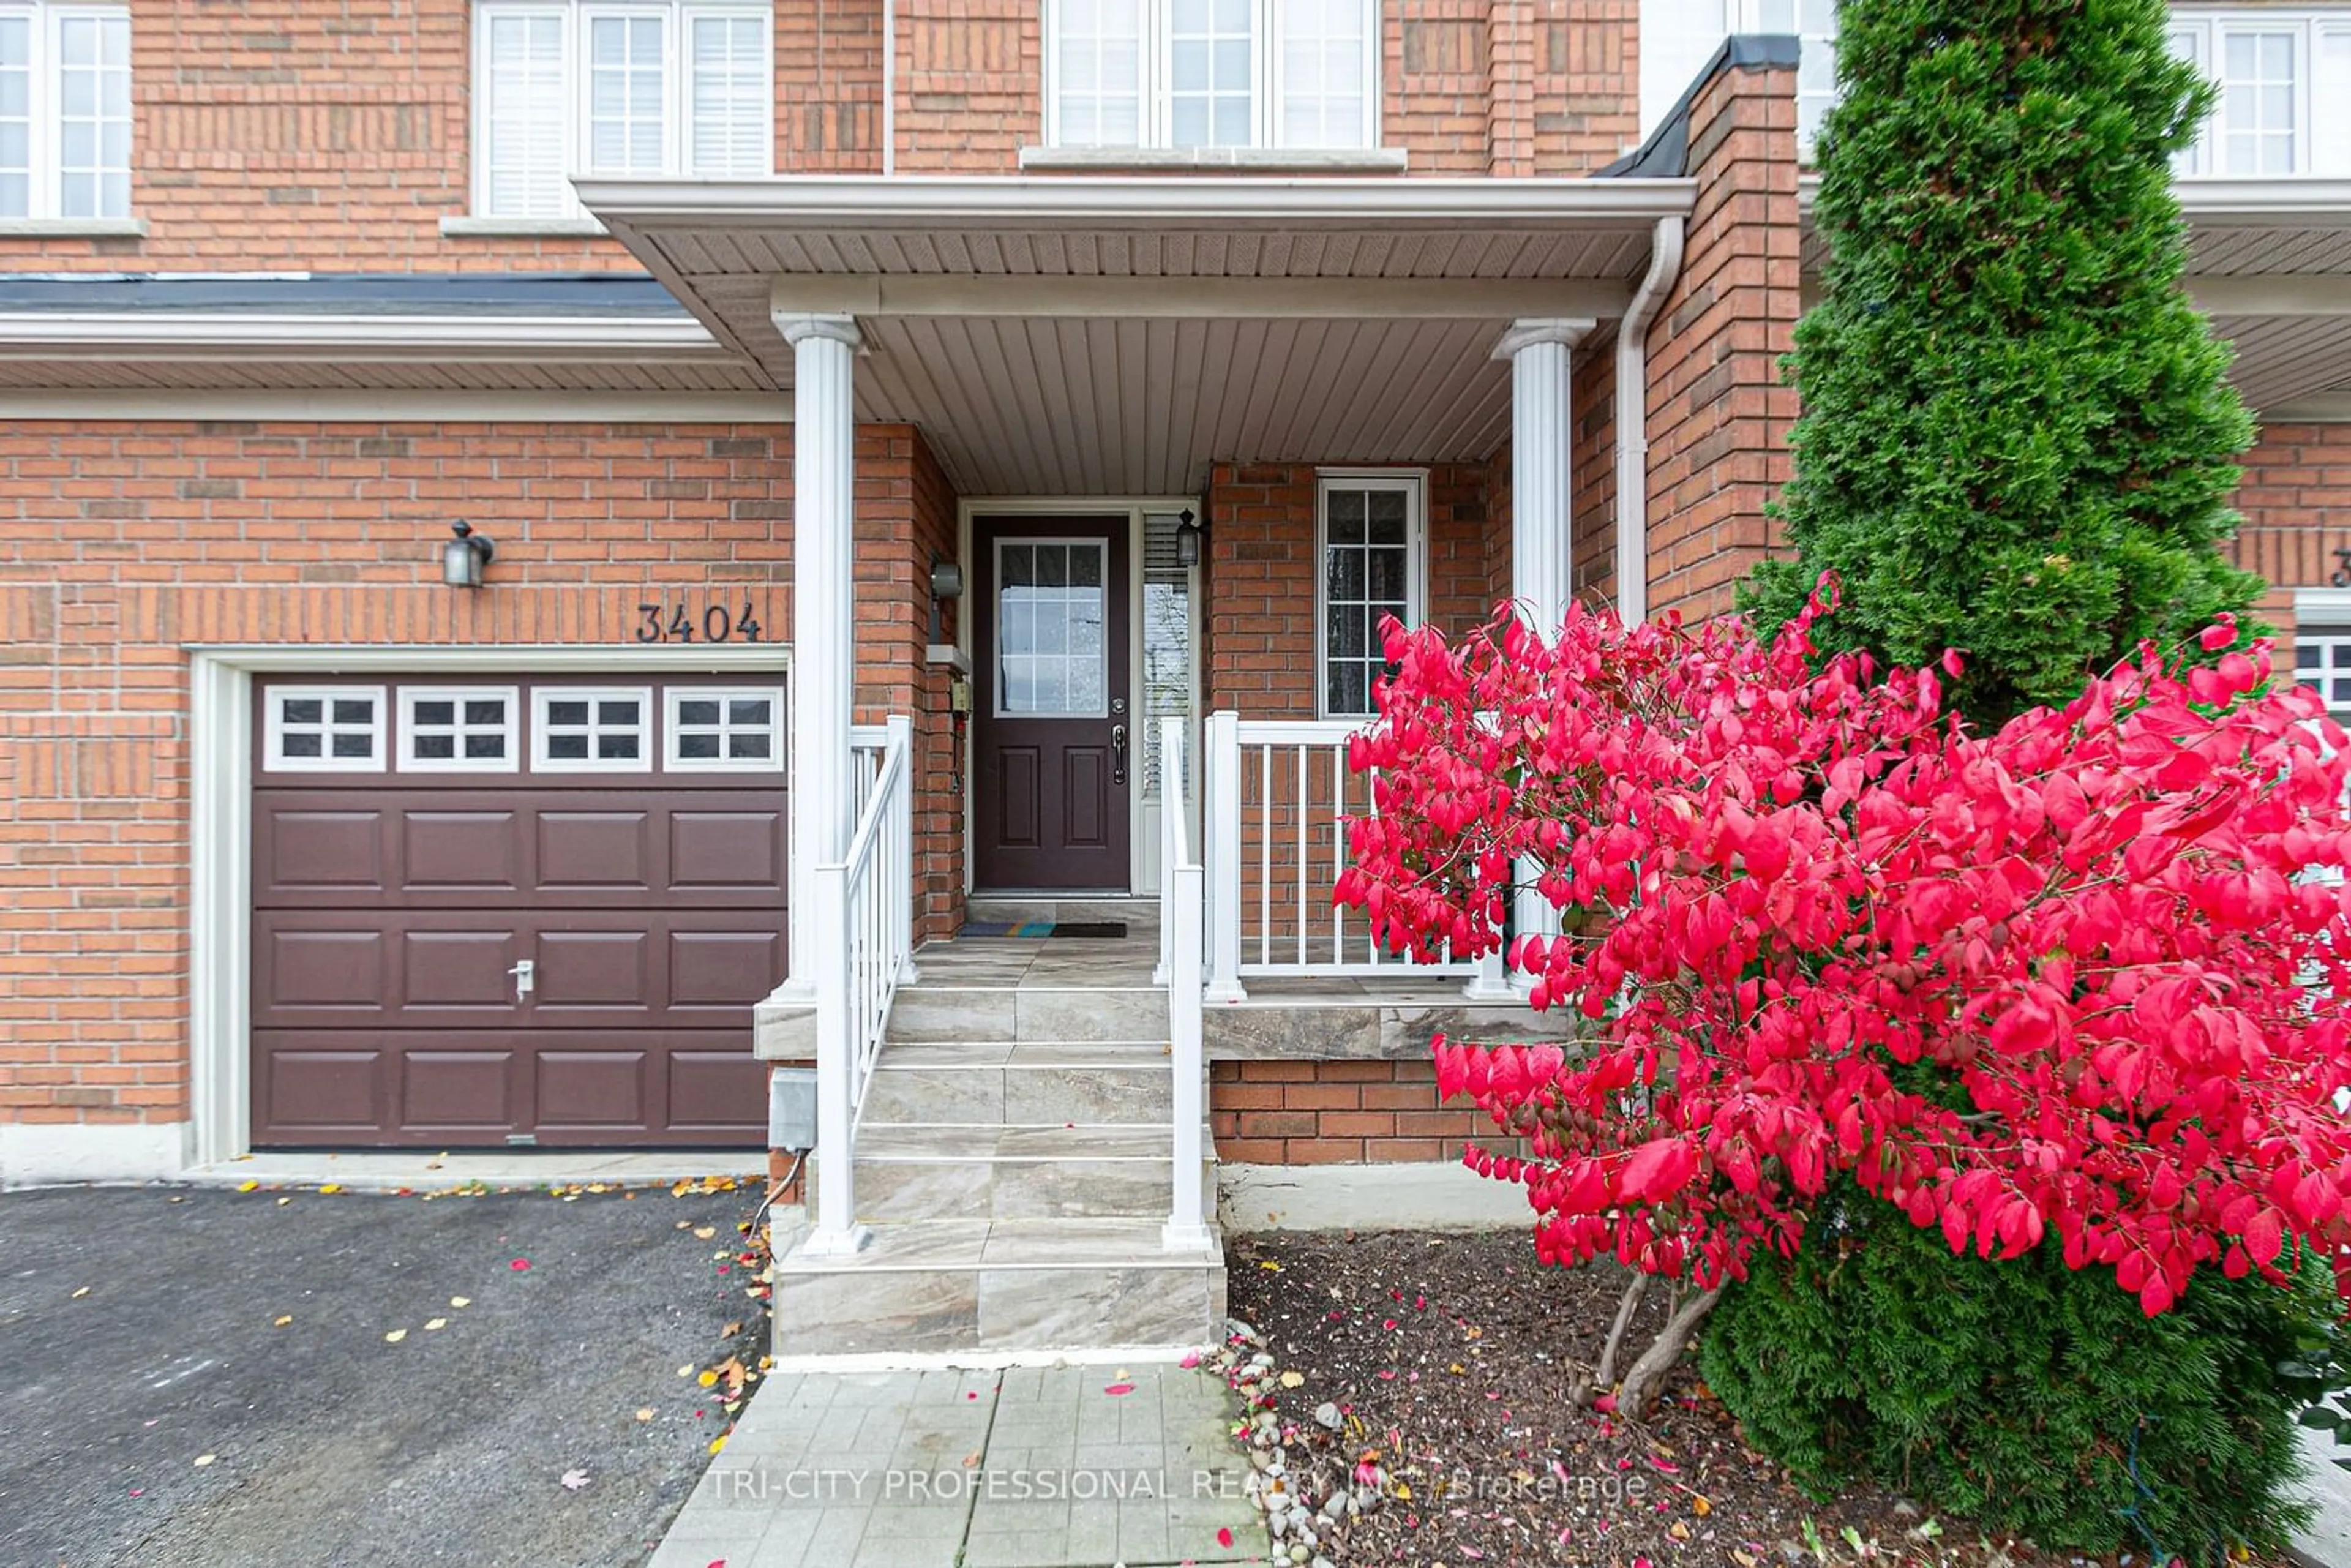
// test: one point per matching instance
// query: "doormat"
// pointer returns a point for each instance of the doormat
(1080, 928)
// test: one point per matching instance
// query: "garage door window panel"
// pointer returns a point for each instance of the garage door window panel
(324, 729)
(600, 730)
(459, 729)
(725, 730)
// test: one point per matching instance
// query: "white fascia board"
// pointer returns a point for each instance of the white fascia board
(1011, 202)
(1224, 298)
(2319, 408)
(436, 406)
(2294, 201)
(257, 335)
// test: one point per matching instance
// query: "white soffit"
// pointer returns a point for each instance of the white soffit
(1094, 407)
(1098, 335)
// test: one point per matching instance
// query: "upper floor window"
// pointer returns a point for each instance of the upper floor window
(1679, 36)
(2285, 89)
(566, 87)
(64, 110)
(1212, 73)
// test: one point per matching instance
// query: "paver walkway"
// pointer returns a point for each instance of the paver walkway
(1023, 1468)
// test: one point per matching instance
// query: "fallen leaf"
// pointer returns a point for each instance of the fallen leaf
(332, 1187)
(461, 1300)
(1224, 1536)
(971, 1460)
(78, 1295)
(719, 1442)
(708, 1379)
(1270, 1267)
(646, 1413)
(1191, 1359)
(730, 1330)
(520, 1264)
(1293, 1379)
(432, 1324)
(283, 1201)
(1700, 1506)
(281, 1322)
(395, 1336)
(704, 1232)
(248, 1186)
(1115, 1389)
(574, 1479)
(204, 1459)
(685, 1371)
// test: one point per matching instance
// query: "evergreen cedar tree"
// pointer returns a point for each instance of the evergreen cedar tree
(2016, 438)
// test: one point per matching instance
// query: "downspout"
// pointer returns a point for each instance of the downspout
(1633, 423)
(889, 87)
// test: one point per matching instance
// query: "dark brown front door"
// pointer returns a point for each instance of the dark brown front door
(1052, 739)
(491, 912)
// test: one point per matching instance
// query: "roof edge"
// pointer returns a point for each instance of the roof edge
(1666, 155)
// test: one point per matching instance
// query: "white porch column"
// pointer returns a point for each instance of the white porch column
(824, 438)
(1542, 524)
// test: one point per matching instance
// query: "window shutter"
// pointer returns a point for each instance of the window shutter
(729, 126)
(525, 115)
(15, 117)
(1676, 38)
(1323, 48)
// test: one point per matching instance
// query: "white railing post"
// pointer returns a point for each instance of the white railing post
(902, 840)
(1222, 775)
(1181, 924)
(837, 1029)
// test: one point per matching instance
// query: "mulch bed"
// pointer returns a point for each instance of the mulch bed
(1449, 1357)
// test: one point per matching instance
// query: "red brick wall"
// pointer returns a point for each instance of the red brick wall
(1718, 416)
(1336, 1112)
(2297, 501)
(1593, 475)
(1260, 581)
(121, 543)
(269, 133)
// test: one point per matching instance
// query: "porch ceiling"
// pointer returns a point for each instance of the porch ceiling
(1075, 336)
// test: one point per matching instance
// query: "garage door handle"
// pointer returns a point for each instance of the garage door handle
(525, 975)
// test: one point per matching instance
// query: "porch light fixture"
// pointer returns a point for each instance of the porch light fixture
(462, 558)
(1189, 535)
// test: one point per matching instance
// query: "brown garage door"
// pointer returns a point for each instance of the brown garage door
(500, 911)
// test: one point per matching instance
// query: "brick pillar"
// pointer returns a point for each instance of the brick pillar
(1718, 414)
(1511, 89)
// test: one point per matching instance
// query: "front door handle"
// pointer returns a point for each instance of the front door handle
(525, 977)
(1118, 754)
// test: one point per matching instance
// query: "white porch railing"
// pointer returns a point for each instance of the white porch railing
(862, 931)
(1182, 911)
(1278, 793)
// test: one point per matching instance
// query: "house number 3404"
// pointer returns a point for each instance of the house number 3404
(684, 623)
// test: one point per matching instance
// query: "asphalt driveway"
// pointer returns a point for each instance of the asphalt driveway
(139, 1335)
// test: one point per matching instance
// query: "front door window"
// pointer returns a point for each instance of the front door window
(1052, 654)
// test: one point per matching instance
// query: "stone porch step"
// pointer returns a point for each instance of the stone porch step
(1140, 915)
(928, 1286)
(1021, 1083)
(917, 1171)
(1041, 1013)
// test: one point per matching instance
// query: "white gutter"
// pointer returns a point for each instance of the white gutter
(2284, 201)
(1015, 202)
(1633, 423)
(266, 335)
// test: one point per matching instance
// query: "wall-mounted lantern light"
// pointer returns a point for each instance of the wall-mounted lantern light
(1189, 535)
(947, 582)
(462, 558)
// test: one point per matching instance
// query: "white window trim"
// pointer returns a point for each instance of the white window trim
(1157, 97)
(45, 149)
(2209, 27)
(673, 697)
(405, 752)
(996, 586)
(676, 118)
(273, 754)
(1412, 483)
(647, 758)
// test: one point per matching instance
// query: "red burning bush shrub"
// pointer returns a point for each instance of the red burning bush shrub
(2070, 980)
